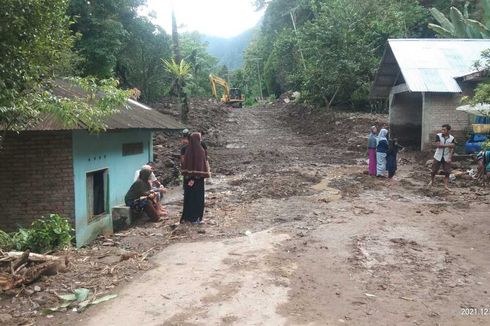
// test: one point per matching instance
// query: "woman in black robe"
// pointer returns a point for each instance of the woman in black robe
(195, 170)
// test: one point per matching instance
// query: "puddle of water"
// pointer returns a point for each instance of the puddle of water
(234, 145)
(327, 193)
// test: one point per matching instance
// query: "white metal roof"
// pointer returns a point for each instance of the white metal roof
(428, 65)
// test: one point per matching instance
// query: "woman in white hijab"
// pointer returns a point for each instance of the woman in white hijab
(381, 150)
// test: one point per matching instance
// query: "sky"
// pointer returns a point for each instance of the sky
(224, 18)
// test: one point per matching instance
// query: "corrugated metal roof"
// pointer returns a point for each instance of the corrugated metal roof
(135, 116)
(427, 65)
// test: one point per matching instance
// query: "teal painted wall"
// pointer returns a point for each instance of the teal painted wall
(104, 151)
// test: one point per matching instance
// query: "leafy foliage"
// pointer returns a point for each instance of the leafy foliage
(6, 241)
(341, 42)
(138, 64)
(35, 50)
(482, 90)
(486, 145)
(103, 33)
(34, 46)
(460, 25)
(45, 234)
(180, 72)
(195, 52)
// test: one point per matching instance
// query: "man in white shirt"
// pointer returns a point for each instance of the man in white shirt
(444, 143)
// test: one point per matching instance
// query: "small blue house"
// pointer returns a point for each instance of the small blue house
(52, 169)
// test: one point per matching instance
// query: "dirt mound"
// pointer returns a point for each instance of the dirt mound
(206, 115)
(334, 128)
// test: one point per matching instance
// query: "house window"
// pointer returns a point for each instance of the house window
(97, 194)
(132, 149)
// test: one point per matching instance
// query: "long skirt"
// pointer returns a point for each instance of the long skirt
(372, 161)
(193, 200)
(380, 163)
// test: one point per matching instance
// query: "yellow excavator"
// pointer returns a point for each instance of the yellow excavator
(231, 96)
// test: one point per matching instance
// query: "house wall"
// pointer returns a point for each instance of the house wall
(439, 109)
(104, 151)
(405, 117)
(36, 177)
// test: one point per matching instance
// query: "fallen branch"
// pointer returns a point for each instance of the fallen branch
(13, 255)
(32, 274)
(20, 261)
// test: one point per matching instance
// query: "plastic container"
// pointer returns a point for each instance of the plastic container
(472, 147)
(479, 128)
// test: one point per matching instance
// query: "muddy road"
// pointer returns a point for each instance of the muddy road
(297, 234)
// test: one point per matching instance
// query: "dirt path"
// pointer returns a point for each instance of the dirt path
(328, 245)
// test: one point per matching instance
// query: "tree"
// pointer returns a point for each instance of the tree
(195, 52)
(35, 50)
(482, 90)
(181, 73)
(341, 41)
(103, 33)
(34, 46)
(139, 63)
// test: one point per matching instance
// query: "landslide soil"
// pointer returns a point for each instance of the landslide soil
(296, 233)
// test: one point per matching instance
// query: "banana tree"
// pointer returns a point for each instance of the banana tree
(181, 72)
(459, 25)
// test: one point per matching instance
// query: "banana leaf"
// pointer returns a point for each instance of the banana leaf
(442, 20)
(482, 29)
(486, 12)
(440, 30)
(458, 21)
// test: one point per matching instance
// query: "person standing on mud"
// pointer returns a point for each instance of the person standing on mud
(444, 143)
(372, 143)
(381, 150)
(194, 170)
(391, 157)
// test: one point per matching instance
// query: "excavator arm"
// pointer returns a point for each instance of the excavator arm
(235, 99)
(215, 80)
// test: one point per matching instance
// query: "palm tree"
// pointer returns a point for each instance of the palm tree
(180, 72)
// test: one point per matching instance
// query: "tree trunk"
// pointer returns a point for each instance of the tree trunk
(183, 103)
(184, 108)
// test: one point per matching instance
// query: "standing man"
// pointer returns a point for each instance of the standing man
(444, 144)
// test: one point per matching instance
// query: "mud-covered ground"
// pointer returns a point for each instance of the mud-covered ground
(296, 233)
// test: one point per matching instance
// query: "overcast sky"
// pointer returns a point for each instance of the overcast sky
(225, 18)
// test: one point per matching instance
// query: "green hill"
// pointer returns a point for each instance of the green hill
(229, 51)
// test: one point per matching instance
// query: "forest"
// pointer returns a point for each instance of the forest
(329, 50)
(326, 49)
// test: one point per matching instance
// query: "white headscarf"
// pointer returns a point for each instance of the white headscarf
(382, 135)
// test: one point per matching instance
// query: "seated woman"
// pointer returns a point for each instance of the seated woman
(140, 197)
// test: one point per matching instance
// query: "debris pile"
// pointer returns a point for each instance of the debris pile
(206, 115)
(23, 268)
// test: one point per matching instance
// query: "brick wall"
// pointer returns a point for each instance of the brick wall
(439, 109)
(36, 177)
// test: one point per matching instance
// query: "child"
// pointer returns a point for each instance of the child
(393, 148)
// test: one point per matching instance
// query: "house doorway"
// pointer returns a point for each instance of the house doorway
(406, 119)
(97, 194)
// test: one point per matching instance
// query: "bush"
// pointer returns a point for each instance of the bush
(486, 145)
(6, 241)
(45, 234)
